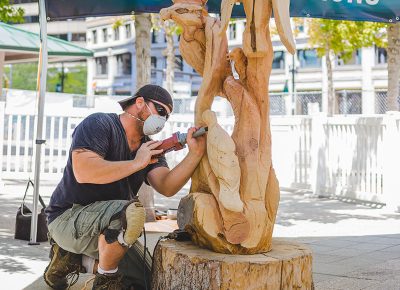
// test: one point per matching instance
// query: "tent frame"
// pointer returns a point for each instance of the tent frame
(42, 81)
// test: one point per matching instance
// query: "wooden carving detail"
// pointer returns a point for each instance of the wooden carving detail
(234, 195)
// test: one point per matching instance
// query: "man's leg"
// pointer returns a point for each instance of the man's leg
(78, 230)
(110, 254)
(114, 246)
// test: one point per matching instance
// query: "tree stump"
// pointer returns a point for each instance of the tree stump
(184, 266)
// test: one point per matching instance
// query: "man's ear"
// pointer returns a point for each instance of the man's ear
(282, 20)
(140, 103)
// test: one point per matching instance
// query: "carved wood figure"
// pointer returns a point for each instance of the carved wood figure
(234, 195)
(255, 37)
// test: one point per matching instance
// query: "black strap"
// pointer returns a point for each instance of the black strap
(26, 191)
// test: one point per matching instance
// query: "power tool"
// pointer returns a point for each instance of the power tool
(178, 141)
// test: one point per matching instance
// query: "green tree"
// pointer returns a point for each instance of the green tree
(8, 13)
(75, 79)
(24, 77)
(342, 38)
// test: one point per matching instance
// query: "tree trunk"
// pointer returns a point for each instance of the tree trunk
(143, 76)
(143, 49)
(183, 266)
(331, 89)
(393, 31)
(169, 52)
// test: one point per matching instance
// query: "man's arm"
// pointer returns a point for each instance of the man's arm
(90, 167)
(169, 182)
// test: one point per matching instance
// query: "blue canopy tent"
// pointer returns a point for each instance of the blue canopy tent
(362, 10)
(358, 10)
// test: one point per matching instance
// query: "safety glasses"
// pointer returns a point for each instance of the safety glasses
(161, 110)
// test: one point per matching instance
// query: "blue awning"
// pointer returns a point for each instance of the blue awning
(359, 10)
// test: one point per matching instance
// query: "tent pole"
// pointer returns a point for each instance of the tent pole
(42, 74)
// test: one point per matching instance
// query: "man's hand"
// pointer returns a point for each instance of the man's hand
(144, 155)
(169, 182)
(197, 146)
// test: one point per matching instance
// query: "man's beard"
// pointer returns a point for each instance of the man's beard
(141, 124)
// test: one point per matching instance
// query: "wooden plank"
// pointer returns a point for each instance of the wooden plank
(27, 143)
(9, 142)
(60, 157)
(44, 158)
(51, 142)
(16, 160)
(2, 129)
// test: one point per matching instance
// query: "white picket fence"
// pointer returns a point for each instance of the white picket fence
(353, 157)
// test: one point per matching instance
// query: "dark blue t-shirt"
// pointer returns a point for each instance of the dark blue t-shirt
(103, 134)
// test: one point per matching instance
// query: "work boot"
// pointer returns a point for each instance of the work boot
(132, 220)
(108, 282)
(63, 266)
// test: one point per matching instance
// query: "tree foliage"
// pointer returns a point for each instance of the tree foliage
(170, 27)
(344, 37)
(24, 78)
(8, 13)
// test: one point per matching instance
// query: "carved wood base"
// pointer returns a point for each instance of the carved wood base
(182, 265)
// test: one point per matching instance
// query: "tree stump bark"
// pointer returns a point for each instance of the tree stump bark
(184, 266)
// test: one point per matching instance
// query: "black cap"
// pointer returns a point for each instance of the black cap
(150, 92)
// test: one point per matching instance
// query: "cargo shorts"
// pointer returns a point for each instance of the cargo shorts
(77, 230)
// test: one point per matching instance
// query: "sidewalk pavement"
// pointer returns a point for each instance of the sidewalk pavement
(354, 246)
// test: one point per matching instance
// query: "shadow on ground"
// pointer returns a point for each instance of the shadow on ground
(324, 210)
(13, 253)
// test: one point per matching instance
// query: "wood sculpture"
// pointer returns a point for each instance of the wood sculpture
(234, 195)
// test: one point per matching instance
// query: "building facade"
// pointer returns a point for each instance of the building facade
(69, 30)
(112, 70)
(298, 84)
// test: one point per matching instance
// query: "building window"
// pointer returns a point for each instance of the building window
(22, 1)
(179, 62)
(31, 19)
(78, 37)
(279, 60)
(153, 66)
(154, 36)
(101, 65)
(60, 36)
(232, 31)
(308, 58)
(355, 59)
(105, 35)
(380, 55)
(116, 33)
(124, 64)
(128, 31)
(94, 33)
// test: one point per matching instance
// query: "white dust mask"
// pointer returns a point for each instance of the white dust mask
(153, 124)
